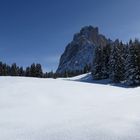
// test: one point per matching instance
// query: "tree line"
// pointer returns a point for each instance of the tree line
(35, 70)
(119, 62)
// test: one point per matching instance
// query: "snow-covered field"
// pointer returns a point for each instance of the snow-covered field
(67, 109)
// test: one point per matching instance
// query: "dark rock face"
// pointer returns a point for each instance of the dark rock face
(80, 51)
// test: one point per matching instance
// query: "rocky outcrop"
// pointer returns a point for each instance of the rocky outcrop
(80, 51)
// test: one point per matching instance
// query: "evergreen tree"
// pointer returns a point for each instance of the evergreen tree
(106, 57)
(117, 63)
(133, 64)
(28, 72)
(1, 69)
(87, 68)
(21, 71)
(33, 70)
(4, 70)
(66, 74)
(101, 62)
(39, 72)
(8, 69)
(14, 70)
(97, 63)
(50, 74)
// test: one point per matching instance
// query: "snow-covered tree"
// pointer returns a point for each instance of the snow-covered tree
(100, 68)
(97, 71)
(106, 57)
(117, 63)
(133, 64)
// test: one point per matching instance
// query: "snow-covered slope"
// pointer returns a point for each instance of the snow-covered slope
(67, 109)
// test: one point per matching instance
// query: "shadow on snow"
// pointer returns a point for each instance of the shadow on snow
(88, 79)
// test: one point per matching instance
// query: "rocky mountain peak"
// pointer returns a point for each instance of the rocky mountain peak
(80, 51)
(88, 32)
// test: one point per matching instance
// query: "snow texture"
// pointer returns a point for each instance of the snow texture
(67, 109)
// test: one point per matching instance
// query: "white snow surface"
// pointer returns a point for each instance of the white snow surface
(67, 109)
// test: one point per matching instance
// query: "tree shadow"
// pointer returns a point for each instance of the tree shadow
(88, 79)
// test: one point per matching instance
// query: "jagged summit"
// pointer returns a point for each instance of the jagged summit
(80, 51)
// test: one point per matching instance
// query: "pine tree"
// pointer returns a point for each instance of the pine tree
(117, 63)
(21, 71)
(14, 70)
(50, 74)
(66, 74)
(106, 57)
(33, 70)
(133, 64)
(39, 72)
(4, 69)
(28, 72)
(1, 69)
(8, 69)
(97, 63)
(100, 68)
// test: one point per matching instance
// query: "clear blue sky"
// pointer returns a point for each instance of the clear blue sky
(39, 30)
